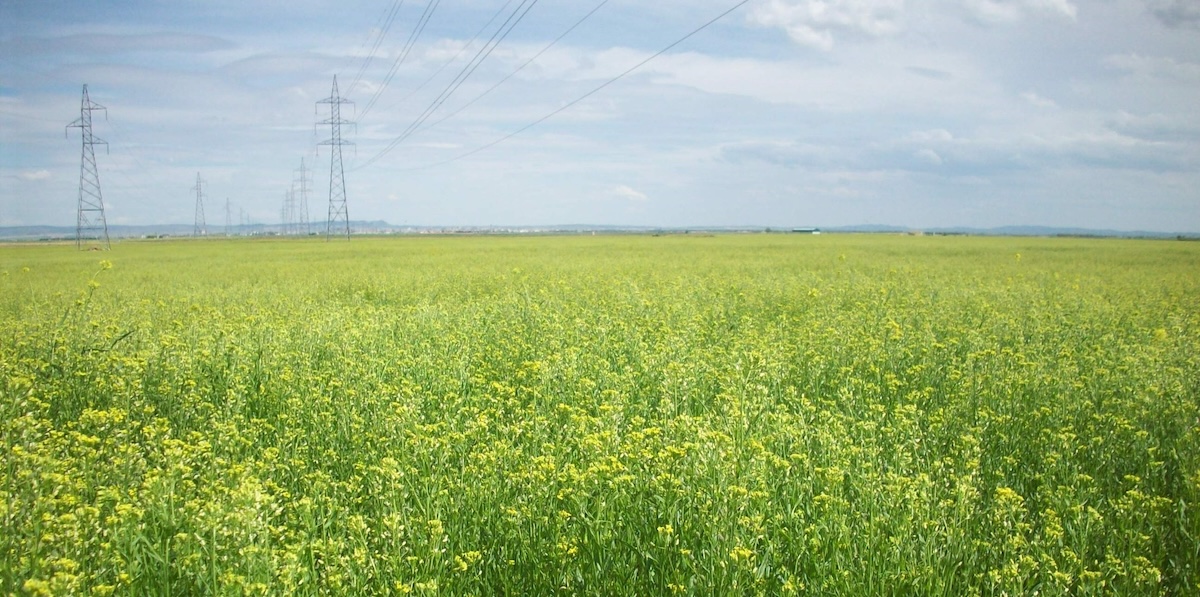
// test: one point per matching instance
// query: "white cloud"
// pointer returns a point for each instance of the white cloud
(1157, 126)
(1037, 100)
(820, 24)
(438, 145)
(1084, 145)
(997, 152)
(883, 80)
(935, 135)
(1155, 66)
(626, 192)
(34, 175)
(779, 153)
(1010, 11)
(929, 156)
(813, 23)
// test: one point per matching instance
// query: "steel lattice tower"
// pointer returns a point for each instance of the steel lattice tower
(300, 185)
(91, 203)
(287, 214)
(199, 229)
(337, 175)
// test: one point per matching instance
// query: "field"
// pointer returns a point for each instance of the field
(742, 414)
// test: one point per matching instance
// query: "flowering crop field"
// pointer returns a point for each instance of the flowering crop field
(738, 414)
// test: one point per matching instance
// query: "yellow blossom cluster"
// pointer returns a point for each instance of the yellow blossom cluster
(707, 415)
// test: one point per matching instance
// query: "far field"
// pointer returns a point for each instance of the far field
(741, 414)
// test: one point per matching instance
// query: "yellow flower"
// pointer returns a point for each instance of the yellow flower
(34, 586)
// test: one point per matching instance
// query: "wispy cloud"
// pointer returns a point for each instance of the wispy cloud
(815, 23)
(34, 175)
(1155, 66)
(1011, 11)
(1178, 14)
(94, 44)
(626, 192)
(819, 24)
(1037, 100)
(779, 153)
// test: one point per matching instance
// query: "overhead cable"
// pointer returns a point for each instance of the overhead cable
(514, 72)
(389, 18)
(454, 58)
(501, 32)
(408, 46)
(575, 101)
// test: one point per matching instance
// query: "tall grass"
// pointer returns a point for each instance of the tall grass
(609, 415)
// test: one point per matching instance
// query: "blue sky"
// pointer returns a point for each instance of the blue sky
(919, 113)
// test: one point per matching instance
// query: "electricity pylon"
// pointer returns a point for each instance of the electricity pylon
(300, 185)
(337, 175)
(91, 203)
(228, 223)
(199, 229)
(287, 215)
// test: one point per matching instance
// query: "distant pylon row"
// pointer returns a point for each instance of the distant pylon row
(294, 218)
(91, 224)
(199, 228)
(300, 185)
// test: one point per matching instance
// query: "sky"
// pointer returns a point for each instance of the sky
(783, 113)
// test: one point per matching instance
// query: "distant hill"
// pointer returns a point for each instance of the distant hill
(1014, 231)
(48, 233)
(27, 233)
(1053, 231)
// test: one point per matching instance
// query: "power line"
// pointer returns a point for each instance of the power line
(453, 58)
(483, 53)
(378, 23)
(408, 46)
(455, 85)
(574, 101)
(387, 26)
(518, 69)
(143, 171)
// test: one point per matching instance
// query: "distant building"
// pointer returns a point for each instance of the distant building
(806, 230)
